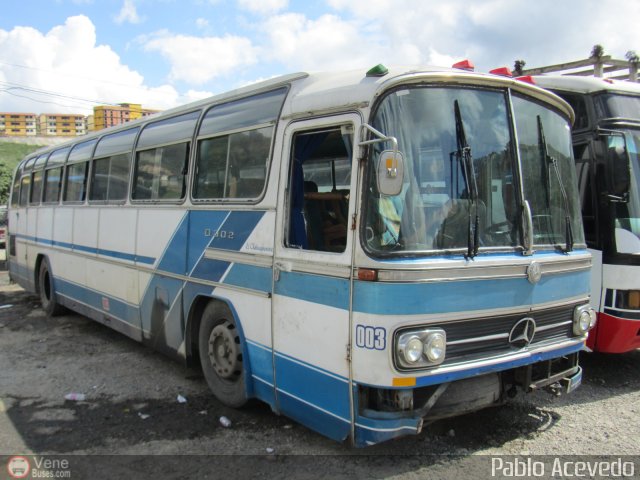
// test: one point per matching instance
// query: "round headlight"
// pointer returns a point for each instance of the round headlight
(435, 347)
(582, 325)
(412, 350)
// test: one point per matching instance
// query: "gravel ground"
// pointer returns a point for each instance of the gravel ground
(131, 408)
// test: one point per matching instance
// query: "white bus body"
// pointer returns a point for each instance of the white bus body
(255, 233)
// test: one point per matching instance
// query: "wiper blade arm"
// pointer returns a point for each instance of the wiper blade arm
(463, 154)
(552, 161)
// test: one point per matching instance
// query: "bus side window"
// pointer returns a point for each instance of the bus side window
(36, 188)
(160, 173)
(110, 178)
(233, 166)
(52, 184)
(579, 106)
(15, 193)
(25, 183)
(76, 182)
(319, 186)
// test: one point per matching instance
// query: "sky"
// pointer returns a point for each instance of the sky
(70, 55)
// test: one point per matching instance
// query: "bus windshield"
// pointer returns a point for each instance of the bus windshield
(627, 214)
(615, 105)
(459, 190)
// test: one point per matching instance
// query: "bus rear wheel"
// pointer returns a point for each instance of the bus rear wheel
(220, 350)
(47, 293)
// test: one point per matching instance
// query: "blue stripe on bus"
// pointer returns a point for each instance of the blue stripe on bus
(202, 226)
(250, 276)
(330, 291)
(376, 430)
(212, 270)
(117, 308)
(458, 296)
(86, 249)
(174, 257)
(236, 229)
(261, 359)
(221, 230)
(313, 398)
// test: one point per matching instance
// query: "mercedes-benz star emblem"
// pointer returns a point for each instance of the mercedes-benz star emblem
(522, 332)
(534, 273)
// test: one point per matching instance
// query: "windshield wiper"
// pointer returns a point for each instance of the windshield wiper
(552, 161)
(463, 154)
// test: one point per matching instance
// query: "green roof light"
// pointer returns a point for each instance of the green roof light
(378, 71)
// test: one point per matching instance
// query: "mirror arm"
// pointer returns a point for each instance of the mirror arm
(381, 138)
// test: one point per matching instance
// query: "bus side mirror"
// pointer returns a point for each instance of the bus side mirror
(618, 175)
(390, 172)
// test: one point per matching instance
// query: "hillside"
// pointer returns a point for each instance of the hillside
(10, 154)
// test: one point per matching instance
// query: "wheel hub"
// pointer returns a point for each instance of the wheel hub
(224, 351)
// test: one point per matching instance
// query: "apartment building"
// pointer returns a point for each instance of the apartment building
(69, 124)
(62, 124)
(18, 124)
(108, 116)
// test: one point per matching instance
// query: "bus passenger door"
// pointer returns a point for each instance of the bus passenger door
(312, 268)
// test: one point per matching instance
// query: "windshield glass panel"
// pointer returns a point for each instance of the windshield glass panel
(458, 189)
(549, 178)
(627, 214)
(612, 105)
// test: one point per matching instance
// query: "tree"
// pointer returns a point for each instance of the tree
(597, 51)
(5, 183)
(518, 67)
(632, 56)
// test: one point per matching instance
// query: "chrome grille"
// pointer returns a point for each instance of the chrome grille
(482, 335)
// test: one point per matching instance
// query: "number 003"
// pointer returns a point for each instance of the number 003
(373, 338)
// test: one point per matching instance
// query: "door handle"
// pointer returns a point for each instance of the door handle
(280, 267)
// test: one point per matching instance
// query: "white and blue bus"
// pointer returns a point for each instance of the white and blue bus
(363, 251)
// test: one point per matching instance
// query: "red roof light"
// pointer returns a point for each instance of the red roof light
(527, 79)
(504, 71)
(464, 65)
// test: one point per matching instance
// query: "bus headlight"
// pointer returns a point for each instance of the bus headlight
(435, 347)
(410, 347)
(420, 348)
(584, 319)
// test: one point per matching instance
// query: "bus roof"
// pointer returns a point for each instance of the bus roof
(325, 92)
(576, 84)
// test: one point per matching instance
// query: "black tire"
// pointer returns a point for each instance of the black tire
(221, 357)
(47, 293)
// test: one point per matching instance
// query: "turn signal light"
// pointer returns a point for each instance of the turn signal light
(367, 275)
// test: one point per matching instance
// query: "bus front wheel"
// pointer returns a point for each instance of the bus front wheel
(47, 292)
(220, 351)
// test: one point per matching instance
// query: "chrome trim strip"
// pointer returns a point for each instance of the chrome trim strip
(316, 269)
(239, 257)
(495, 360)
(130, 265)
(430, 319)
(497, 336)
(555, 325)
(456, 272)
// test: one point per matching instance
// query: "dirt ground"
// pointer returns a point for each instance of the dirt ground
(131, 407)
